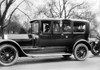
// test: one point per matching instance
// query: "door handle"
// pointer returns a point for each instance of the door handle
(66, 36)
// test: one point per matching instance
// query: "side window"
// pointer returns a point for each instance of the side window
(46, 26)
(56, 26)
(35, 27)
(66, 26)
(79, 27)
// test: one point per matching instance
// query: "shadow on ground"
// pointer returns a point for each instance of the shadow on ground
(44, 60)
(92, 56)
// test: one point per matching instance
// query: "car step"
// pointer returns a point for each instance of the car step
(48, 54)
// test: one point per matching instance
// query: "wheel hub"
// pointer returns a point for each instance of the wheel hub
(81, 52)
(7, 55)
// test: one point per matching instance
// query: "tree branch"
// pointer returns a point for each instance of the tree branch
(46, 14)
(56, 7)
(6, 10)
(0, 7)
(51, 12)
(55, 12)
(1, 2)
(64, 7)
(6, 2)
(73, 8)
(24, 13)
(12, 13)
(59, 9)
(28, 3)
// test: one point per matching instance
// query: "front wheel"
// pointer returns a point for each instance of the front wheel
(80, 52)
(8, 54)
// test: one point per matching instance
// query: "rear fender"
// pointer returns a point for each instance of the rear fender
(82, 41)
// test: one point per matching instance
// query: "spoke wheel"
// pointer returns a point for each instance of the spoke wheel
(80, 52)
(8, 55)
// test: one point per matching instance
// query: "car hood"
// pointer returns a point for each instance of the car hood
(19, 36)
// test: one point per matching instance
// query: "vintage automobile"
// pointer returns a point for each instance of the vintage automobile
(47, 37)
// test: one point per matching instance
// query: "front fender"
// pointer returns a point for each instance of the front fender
(15, 44)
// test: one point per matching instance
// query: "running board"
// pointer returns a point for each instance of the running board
(44, 50)
(48, 54)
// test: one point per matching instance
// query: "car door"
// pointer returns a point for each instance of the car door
(67, 32)
(56, 33)
(62, 32)
(45, 33)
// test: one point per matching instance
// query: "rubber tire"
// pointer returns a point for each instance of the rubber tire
(16, 57)
(75, 49)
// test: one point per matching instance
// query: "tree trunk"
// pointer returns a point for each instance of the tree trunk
(2, 32)
(2, 29)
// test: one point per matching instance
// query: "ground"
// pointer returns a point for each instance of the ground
(55, 63)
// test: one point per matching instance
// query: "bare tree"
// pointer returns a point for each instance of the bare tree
(6, 4)
(57, 9)
(14, 25)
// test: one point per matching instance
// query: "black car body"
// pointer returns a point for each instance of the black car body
(49, 37)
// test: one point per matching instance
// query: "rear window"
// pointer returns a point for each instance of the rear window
(79, 27)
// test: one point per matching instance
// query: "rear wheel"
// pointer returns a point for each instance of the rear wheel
(8, 54)
(80, 52)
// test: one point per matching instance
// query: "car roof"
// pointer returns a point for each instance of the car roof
(48, 19)
(79, 20)
(52, 19)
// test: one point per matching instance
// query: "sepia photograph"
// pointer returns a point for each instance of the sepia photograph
(49, 35)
